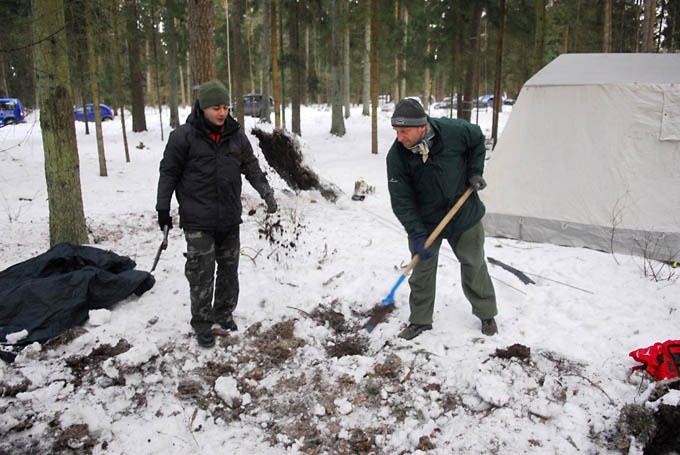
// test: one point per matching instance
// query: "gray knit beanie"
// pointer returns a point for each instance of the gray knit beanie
(409, 112)
(212, 93)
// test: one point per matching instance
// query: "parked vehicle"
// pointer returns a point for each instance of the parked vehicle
(11, 111)
(487, 100)
(445, 103)
(105, 111)
(484, 101)
(252, 104)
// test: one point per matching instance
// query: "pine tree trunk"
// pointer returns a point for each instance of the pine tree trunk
(156, 65)
(374, 76)
(539, 35)
(4, 91)
(134, 41)
(267, 58)
(366, 66)
(295, 67)
(472, 71)
(275, 63)
(201, 42)
(173, 68)
(62, 167)
(345, 62)
(648, 27)
(607, 26)
(498, 97)
(92, 60)
(118, 79)
(239, 67)
(337, 121)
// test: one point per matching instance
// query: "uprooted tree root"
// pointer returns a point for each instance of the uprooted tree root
(282, 152)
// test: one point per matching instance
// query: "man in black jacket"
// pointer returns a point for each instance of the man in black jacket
(202, 164)
(429, 167)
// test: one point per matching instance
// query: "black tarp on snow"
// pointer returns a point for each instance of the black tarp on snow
(54, 291)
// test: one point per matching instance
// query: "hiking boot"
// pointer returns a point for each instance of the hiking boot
(205, 339)
(229, 325)
(489, 327)
(413, 330)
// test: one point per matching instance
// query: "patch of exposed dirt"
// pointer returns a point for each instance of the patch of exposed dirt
(81, 365)
(306, 387)
(517, 351)
(77, 438)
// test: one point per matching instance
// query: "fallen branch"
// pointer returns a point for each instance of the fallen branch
(337, 275)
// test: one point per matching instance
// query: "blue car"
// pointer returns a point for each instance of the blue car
(11, 111)
(105, 111)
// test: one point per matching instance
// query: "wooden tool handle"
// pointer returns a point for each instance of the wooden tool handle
(440, 227)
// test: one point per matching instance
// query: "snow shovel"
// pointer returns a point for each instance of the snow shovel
(387, 304)
(163, 246)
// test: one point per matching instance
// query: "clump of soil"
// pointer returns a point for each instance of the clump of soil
(75, 437)
(81, 364)
(353, 345)
(667, 438)
(335, 319)
(277, 344)
(638, 421)
(517, 351)
(390, 368)
(282, 152)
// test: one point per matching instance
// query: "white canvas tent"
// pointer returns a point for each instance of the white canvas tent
(590, 157)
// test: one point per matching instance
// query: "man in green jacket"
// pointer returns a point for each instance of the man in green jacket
(429, 166)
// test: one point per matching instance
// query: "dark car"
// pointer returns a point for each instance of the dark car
(105, 111)
(11, 111)
(252, 104)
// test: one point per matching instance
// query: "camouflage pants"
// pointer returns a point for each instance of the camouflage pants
(477, 285)
(204, 250)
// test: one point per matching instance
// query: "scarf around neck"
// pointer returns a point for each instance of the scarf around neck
(422, 148)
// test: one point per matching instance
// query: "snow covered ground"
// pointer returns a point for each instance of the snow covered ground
(300, 376)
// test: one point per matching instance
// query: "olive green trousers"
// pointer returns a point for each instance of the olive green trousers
(476, 282)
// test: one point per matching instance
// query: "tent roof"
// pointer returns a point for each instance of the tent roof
(588, 69)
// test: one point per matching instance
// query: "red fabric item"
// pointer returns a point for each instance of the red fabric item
(661, 360)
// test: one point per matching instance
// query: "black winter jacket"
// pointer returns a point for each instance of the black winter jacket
(206, 176)
(422, 193)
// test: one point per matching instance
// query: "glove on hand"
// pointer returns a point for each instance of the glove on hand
(477, 182)
(271, 203)
(418, 240)
(164, 219)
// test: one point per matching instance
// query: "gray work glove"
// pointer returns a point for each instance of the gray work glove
(477, 182)
(271, 203)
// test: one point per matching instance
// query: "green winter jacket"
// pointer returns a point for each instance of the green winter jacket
(422, 193)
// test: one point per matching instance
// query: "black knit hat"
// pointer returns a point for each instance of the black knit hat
(409, 112)
(212, 93)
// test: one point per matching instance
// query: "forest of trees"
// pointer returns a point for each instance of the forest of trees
(424, 47)
(140, 53)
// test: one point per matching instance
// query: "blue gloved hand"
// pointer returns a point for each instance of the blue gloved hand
(418, 239)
